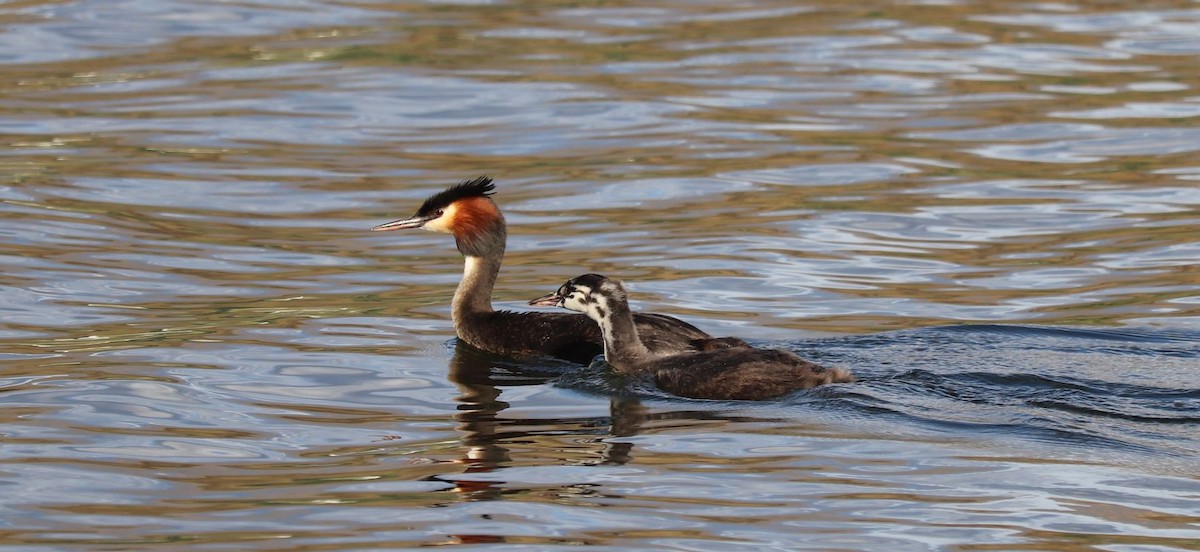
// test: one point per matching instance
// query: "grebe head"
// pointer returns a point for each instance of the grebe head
(591, 294)
(464, 210)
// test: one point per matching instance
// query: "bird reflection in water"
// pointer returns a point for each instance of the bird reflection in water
(480, 378)
(470, 371)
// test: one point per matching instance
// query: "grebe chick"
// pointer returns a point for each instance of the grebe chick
(466, 211)
(737, 373)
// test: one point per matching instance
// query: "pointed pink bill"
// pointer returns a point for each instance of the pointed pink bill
(551, 300)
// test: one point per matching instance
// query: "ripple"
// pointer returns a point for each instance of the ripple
(1177, 45)
(823, 175)
(1123, 142)
(91, 32)
(1137, 110)
(242, 197)
(37, 309)
(628, 194)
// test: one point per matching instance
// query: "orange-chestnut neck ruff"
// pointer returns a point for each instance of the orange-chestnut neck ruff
(477, 225)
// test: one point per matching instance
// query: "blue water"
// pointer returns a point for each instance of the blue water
(987, 212)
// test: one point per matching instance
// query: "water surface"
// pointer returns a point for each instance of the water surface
(987, 211)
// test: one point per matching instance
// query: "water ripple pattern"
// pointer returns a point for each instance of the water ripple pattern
(987, 211)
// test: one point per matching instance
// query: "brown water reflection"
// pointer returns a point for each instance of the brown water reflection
(202, 344)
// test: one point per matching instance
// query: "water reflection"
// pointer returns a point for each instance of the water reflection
(487, 438)
(479, 377)
(479, 404)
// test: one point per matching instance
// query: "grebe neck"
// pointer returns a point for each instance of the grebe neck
(623, 348)
(482, 248)
(474, 293)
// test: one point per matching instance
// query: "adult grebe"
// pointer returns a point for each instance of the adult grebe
(466, 211)
(738, 373)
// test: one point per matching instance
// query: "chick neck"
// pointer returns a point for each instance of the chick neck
(623, 348)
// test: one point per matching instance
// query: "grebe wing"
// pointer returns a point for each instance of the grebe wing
(717, 343)
(664, 335)
(741, 374)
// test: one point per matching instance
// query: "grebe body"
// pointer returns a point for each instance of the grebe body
(468, 213)
(736, 372)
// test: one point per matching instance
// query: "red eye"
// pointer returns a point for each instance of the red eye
(439, 212)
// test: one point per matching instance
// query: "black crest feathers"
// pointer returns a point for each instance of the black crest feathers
(593, 281)
(597, 284)
(479, 187)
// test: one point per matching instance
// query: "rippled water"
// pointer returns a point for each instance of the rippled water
(987, 211)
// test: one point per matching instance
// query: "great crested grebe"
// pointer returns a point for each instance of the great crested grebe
(466, 211)
(736, 373)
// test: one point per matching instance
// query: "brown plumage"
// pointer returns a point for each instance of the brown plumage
(733, 373)
(467, 211)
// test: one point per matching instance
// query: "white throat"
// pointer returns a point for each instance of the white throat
(602, 314)
(474, 293)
